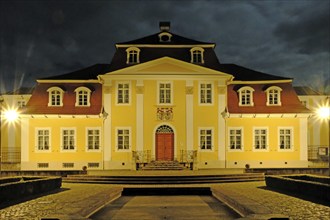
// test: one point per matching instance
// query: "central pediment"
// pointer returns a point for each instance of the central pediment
(168, 66)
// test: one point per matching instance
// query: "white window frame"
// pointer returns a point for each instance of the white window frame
(241, 92)
(241, 149)
(133, 51)
(198, 51)
(87, 92)
(50, 96)
(129, 92)
(291, 149)
(266, 149)
(37, 149)
(273, 93)
(74, 139)
(129, 141)
(87, 140)
(205, 89)
(171, 93)
(200, 138)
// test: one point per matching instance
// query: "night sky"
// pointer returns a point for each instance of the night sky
(282, 37)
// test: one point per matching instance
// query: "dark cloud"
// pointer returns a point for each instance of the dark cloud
(39, 38)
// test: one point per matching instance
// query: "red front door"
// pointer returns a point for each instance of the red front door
(164, 146)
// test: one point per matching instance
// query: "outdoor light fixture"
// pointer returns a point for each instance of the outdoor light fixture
(11, 115)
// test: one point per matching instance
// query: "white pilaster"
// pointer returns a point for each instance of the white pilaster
(303, 138)
(107, 129)
(189, 116)
(221, 128)
(139, 117)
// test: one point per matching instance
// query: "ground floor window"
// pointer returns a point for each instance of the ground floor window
(285, 136)
(260, 139)
(205, 139)
(93, 139)
(123, 139)
(68, 139)
(235, 138)
(43, 138)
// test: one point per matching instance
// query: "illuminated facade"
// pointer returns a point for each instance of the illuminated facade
(164, 97)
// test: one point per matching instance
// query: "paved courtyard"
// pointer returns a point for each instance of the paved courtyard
(79, 201)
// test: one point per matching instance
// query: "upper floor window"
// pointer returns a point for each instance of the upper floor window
(205, 93)
(83, 96)
(197, 55)
(205, 139)
(133, 55)
(274, 95)
(235, 138)
(43, 139)
(21, 104)
(55, 96)
(165, 93)
(123, 93)
(246, 96)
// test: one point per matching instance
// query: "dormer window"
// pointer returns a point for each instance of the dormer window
(55, 96)
(197, 55)
(133, 55)
(246, 96)
(82, 96)
(273, 95)
(165, 37)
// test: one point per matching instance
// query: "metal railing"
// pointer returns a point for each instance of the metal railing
(318, 153)
(10, 160)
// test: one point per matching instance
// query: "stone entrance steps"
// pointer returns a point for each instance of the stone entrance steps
(163, 165)
(161, 179)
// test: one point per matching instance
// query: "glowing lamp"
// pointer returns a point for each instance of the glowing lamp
(11, 115)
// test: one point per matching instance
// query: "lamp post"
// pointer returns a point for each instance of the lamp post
(323, 113)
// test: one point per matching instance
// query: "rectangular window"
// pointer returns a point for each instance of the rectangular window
(83, 98)
(205, 139)
(245, 97)
(21, 104)
(206, 93)
(235, 139)
(285, 138)
(123, 93)
(123, 139)
(260, 139)
(43, 138)
(165, 93)
(93, 139)
(68, 139)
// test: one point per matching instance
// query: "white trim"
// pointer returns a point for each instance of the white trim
(129, 136)
(107, 147)
(212, 93)
(189, 117)
(221, 128)
(36, 142)
(57, 89)
(253, 139)
(165, 46)
(75, 140)
(200, 50)
(246, 88)
(139, 122)
(212, 139)
(242, 139)
(291, 149)
(278, 92)
(303, 138)
(86, 139)
(130, 49)
(171, 92)
(25, 148)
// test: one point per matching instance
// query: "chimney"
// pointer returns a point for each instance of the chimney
(164, 25)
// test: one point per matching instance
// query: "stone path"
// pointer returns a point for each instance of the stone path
(78, 201)
(255, 197)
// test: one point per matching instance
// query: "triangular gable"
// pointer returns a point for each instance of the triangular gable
(168, 66)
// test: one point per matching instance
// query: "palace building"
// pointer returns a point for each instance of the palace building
(163, 97)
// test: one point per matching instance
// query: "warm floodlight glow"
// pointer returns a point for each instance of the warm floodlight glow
(11, 115)
(323, 112)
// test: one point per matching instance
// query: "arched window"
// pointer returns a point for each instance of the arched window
(274, 95)
(133, 55)
(246, 96)
(82, 96)
(197, 55)
(55, 96)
